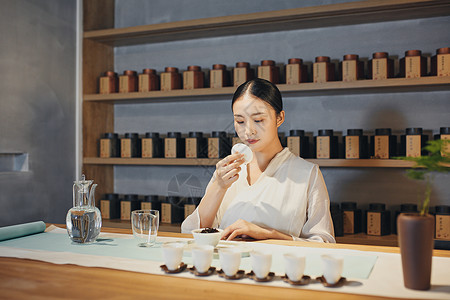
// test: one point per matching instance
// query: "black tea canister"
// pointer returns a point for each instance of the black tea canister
(129, 203)
(190, 205)
(172, 210)
(352, 217)
(218, 145)
(442, 213)
(130, 145)
(378, 220)
(412, 142)
(152, 146)
(151, 202)
(356, 144)
(338, 219)
(109, 145)
(326, 144)
(196, 145)
(298, 143)
(110, 206)
(383, 145)
(174, 145)
(444, 134)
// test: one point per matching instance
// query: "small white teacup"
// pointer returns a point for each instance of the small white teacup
(333, 266)
(294, 266)
(202, 255)
(261, 263)
(230, 260)
(173, 253)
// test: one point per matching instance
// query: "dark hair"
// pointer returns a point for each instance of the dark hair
(262, 89)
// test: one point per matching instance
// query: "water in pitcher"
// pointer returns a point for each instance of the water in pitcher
(83, 225)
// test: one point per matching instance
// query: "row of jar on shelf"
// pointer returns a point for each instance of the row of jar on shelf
(347, 217)
(326, 145)
(173, 209)
(378, 221)
(413, 65)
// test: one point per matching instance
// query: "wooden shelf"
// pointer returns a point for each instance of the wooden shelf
(348, 163)
(117, 223)
(361, 86)
(364, 239)
(289, 19)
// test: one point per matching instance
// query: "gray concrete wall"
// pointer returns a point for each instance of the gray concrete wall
(429, 109)
(37, 109)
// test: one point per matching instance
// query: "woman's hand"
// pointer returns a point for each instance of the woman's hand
(227, 170)
(242, 228)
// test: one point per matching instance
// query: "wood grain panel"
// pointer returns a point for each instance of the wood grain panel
(288, 19)
(98, 14)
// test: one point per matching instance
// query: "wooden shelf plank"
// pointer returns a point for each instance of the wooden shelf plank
(347, 163)
(288, 19)
(364, 239)
(117, 223)
(389, 85)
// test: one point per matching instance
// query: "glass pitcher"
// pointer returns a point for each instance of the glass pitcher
(84, 219)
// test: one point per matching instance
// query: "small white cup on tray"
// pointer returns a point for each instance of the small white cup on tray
(202, 256)
(333, 267)
(261, 263)
(230, 260)
(173, 254)
(294, 266)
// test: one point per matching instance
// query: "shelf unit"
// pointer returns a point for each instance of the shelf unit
(100, 39)
(361, 86)
(350, 163)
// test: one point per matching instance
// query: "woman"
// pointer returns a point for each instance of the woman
(277, 195)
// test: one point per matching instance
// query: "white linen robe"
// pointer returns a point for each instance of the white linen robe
(289, 196)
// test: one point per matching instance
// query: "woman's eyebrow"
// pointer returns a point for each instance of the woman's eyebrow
(254, 114)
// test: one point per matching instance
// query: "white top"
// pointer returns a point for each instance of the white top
(289, 196)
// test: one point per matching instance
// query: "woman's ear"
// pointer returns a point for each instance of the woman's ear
(280, 118)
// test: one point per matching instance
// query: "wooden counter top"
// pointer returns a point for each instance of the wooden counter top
(29, 279)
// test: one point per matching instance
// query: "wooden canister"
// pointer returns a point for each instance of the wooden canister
(128, 82)
(269, 71)
(219, 76)
(170, 79)
(351, 69)
(381, 66)
(440, 63)
(193, 78)
(242, 73)
(413, 65)
(148, 81)
(323, 70)
(296, 71)
(109, 83)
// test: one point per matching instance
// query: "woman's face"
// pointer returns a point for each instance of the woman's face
(256, 122)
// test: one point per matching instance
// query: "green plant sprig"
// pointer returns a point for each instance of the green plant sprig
(437, 160)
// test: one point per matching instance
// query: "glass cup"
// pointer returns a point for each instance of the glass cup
(333, 266)
(203, 256)
(261, 263)
(294, 266)
(173, 254)
(145, 225)
(230, 260)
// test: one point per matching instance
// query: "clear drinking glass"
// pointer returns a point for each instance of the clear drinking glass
(145, 225)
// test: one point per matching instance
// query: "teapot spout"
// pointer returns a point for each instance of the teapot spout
(92, 195)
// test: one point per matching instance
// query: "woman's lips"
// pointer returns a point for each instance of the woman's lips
(252, 141)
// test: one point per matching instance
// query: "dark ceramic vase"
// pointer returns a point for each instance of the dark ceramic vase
(415, 238)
